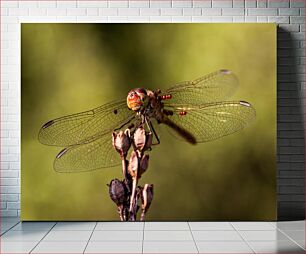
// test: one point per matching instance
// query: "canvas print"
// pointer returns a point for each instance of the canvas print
(148, 122)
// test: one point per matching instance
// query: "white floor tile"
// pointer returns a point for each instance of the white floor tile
(253, 226)
(273, 235)
(119, 226)
(160, 237)
(301, 243)
(297, 235)
(9, 220)
(216, 236)
(67, 236)
(17, 247)
(7, 225)
(74, 226)
(166, 226)
(223, 247)
(211, 226)
(3, 230)
(291, 225)
(167, 236)
(33, 226)
(114, 247)
(60, 247)
(99, 236)
(273, 224)
(170, 247)
(22, 236)
(276, 247)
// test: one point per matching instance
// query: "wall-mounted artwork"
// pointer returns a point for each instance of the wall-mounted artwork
(155, 122)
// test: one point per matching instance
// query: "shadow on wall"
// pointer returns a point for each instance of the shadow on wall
(290, 130)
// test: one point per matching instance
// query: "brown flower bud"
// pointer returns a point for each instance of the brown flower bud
(133, 165)
(143, 165)
(117, 191)
(143, 139)
(121, 143)
(140, 138)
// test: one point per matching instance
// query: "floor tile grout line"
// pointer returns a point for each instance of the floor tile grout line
(159, 230)
(143, 226)
(291, 230)
(193, 237)
(170, 240)
(143, 232)
(90, 237)
(42, 238)
(260, 229)
(290, 238)
(10, 228)
(246, 242)
(274, 226)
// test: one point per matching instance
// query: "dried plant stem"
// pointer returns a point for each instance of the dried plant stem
(120, 211)
(144, 202)
(135, 181)
(124, 167)
(126, 193)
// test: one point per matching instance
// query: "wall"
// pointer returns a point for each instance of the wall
(289, 14)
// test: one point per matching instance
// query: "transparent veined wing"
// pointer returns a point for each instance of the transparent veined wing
(213, 87)
(211, 121)
(92, 155)
(80, 127)
(97, 152)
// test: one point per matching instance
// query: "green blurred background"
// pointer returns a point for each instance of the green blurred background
(68, 68)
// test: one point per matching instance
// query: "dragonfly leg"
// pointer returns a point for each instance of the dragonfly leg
(151, 128)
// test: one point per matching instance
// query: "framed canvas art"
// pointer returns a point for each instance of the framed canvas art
(156, 122)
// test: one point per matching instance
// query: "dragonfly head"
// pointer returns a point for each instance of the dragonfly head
(137, 99)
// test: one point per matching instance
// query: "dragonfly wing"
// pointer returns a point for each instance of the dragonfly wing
(213, 87)
(211, 121)
(81, 127)
(96, 154)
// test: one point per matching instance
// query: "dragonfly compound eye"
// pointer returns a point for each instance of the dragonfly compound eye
(136, 98)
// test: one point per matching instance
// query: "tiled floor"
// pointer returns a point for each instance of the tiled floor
(152, 237)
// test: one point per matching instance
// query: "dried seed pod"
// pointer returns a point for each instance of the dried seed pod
(140, 138)
(143, 165)
(117, 192)
(121, 143)
(133, 165)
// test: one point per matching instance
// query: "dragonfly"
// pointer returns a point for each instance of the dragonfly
(194, 111)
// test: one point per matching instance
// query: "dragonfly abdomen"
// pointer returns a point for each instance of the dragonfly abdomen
(168, 112)
(186, 135)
